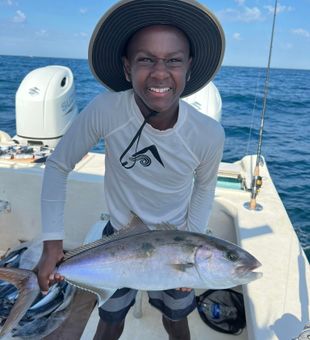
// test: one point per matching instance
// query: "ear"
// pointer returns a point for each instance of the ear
(126, 67)
(188, 73)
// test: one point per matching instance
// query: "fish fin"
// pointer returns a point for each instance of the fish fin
(27, 284)
(165, 226)
(181, 267)
(103, 294)
(135, 227)
(136, 223)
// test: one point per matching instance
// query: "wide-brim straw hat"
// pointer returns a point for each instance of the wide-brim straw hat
(121, 21)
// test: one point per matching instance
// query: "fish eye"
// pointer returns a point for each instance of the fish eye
(232, 256)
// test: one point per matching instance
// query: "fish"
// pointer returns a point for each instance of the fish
(48, 303)
(143, 259)
(27, 283)
(48, 311)
(13, 258)
(7, 290)
(40, 327)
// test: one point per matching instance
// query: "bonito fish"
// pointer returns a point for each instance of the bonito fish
(143, 259)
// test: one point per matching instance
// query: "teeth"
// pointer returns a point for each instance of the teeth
(160, 90)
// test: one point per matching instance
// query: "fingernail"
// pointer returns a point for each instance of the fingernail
(44, 292)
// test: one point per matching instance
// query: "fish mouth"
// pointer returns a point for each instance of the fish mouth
(247, 271)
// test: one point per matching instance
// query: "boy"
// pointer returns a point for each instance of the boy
(162, 155)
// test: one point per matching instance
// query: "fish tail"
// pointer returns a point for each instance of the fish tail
(27, 284)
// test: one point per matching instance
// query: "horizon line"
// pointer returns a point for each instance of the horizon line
(223, 65)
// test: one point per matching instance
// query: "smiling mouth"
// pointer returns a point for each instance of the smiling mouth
(159, 89)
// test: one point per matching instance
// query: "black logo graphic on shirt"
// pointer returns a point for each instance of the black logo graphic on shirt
(141, 157)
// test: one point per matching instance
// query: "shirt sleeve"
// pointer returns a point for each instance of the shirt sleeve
(83, 134)
(204, 187)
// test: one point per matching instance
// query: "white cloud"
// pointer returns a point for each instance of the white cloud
(252, 14)
(280, 9)
(81, 35)
(9, 2)
(302, 32)
(245, 14)
(237, 36)
(240, 2)
(83, 10)
(20, 17)
(42, 33)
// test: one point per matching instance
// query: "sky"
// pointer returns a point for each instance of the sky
(62, 28)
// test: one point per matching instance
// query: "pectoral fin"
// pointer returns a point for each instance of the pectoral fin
(182, 266)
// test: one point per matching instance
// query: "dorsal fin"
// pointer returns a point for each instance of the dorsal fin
(135, 227)
(165, 226)
(136, 223)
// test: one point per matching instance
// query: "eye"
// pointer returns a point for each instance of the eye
(145, 60)
(232, 256)
(175, 62)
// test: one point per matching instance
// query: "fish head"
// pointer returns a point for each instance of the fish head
(222, 264)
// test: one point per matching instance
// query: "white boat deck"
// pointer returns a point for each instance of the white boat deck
(277, 305)
(150, 327)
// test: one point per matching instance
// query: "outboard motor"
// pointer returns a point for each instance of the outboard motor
(45, 106)
(207, 100)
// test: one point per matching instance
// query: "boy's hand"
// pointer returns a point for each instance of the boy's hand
(51, 255)
(183, 289)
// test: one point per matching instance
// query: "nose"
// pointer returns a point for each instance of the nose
(160, 69)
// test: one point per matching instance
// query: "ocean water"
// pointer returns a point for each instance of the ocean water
(286, 143)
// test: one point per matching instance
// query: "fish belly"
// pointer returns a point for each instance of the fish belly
(145, 263)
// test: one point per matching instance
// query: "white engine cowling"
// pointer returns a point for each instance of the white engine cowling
(45, 106)
(208, 101)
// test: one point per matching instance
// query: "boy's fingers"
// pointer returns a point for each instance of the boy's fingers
(183, 289)
(57, 276)
(44, 278)
(43, 284)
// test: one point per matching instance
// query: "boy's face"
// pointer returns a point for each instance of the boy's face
(157, 63)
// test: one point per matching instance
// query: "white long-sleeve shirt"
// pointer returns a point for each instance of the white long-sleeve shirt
(168, 177)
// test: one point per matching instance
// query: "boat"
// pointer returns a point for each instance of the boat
(276, 305)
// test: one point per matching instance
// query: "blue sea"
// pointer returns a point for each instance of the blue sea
(286, 143)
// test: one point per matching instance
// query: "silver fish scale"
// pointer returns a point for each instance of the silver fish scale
(136, 261)
(151, 260)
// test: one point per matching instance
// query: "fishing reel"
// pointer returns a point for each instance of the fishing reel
(257, 182)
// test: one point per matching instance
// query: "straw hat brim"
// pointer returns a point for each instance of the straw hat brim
(117, 25)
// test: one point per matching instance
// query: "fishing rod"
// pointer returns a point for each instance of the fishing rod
(257, 179)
